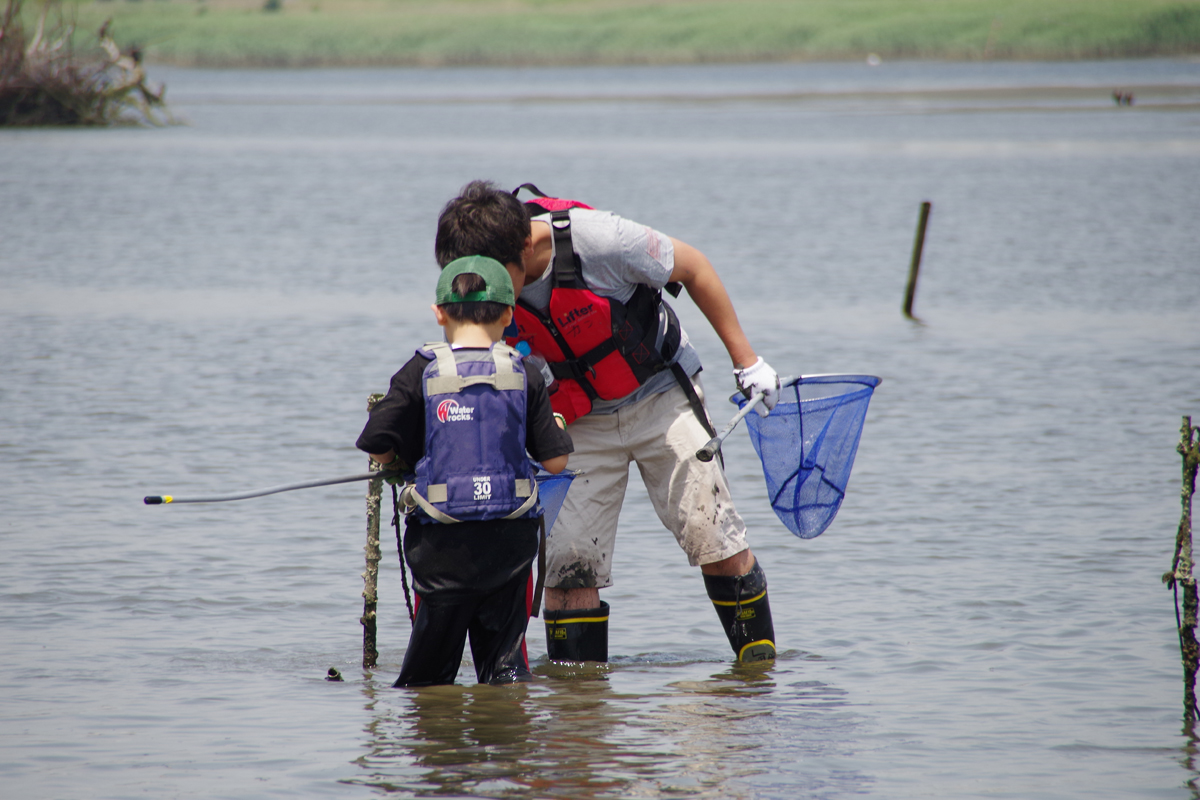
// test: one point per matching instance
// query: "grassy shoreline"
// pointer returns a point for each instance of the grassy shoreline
(306, 33)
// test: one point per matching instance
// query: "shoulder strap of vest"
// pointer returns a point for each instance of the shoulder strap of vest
(566, 265)
(448, 381)
(507, 378)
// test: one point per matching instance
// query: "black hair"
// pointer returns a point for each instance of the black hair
(483, 220)
(480, 312)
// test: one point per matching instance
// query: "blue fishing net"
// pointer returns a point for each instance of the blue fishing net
(552, 491)
(807, 446)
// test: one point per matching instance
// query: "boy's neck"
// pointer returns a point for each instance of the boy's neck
(472, 334)
(541, 251)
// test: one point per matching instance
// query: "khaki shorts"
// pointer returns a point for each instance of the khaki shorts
(661, 434)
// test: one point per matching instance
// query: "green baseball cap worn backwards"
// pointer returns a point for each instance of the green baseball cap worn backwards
(495, 276)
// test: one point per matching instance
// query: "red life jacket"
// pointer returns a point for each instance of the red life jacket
(598, 348)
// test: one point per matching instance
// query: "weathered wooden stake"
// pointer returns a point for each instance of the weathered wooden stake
(918, 245)
(1181, 574)
(374, 554)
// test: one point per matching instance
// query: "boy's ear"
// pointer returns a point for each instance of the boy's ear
(440, 315)
(508, 316)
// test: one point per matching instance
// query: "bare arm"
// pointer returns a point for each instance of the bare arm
(555, 465)
(704, 286)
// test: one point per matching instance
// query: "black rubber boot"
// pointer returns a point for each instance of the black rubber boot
(577, 634)
(745, 613)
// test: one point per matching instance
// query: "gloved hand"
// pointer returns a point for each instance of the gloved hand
(759, 377)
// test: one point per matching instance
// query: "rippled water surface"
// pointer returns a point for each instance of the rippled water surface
(206, 308)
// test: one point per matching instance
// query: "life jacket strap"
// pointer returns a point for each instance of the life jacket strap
(566, 265)
(438, 493)
(536, 606)
(531, 487)
(694, 401)
(522, 487)
(583, 368)
(411, 496)
(531, 188)
(448, 381)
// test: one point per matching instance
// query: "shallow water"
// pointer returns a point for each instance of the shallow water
(206, 308)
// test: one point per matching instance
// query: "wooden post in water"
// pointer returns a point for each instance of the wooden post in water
(918, 245)
(1181, 574)
(374, 554)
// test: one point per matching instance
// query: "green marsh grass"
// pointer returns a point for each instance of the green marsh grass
(547, 32)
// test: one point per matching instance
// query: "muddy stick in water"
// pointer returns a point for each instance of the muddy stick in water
(1181, 574)
(914, 267)
(374, 554)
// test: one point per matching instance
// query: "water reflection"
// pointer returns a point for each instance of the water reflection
(720, 731)
(450, 740)
(571, 734)
(545, 740)
(1188, 761)
(750, 731)
(579, 718)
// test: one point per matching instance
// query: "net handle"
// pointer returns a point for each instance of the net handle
(710, 450)
(869, 382)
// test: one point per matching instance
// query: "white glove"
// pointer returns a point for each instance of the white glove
(759, 377)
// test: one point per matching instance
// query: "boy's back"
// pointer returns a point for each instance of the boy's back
(474, 467)
(462, 417)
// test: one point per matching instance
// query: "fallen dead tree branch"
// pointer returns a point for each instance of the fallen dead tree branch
(43, 81)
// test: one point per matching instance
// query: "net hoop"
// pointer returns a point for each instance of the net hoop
(807, 446)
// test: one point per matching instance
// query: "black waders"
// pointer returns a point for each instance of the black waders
(577, 634)
(745, 613)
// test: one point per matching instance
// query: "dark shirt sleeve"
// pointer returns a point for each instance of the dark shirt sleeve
(543, 438)
(397, 422)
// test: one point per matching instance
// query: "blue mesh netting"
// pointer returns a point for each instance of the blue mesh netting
(552, 491)
(807, 446)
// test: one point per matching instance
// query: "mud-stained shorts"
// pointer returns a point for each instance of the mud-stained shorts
(661, 434)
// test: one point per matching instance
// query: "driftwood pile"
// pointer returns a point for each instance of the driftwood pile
(43, 81)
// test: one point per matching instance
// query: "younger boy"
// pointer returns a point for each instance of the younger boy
(461, 415)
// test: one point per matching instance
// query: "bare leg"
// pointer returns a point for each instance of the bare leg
(568, 599)
(736, 564)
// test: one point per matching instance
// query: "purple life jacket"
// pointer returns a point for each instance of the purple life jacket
(475, 466)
